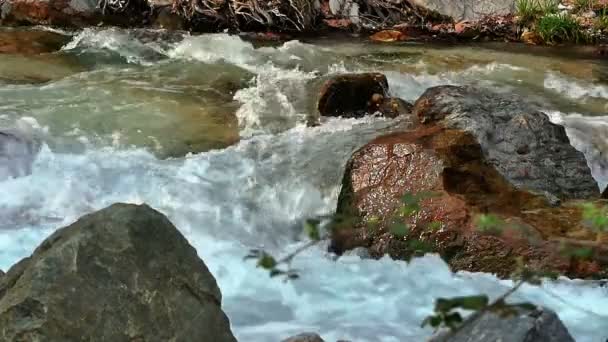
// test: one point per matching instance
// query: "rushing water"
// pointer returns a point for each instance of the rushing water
(211, 130)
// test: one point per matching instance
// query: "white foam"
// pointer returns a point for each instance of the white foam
(588, 134)
(574, 89)
(254, 194)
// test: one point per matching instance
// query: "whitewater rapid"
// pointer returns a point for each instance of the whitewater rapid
(257, 192)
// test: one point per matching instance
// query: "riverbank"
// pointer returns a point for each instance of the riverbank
(534, 22)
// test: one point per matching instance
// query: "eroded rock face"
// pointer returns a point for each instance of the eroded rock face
(124, 273)
(447, 158)
(527, 326)
(519, 141)
(473, 10)
(357, 95)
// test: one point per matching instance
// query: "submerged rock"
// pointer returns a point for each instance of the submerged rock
(526, 326)
(124, 273)
(17, 154)
(456, 157)
(305, 337)
(356, 95)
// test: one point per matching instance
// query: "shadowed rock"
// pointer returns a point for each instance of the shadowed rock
(357, 95)
(124, 273)
(526, 326)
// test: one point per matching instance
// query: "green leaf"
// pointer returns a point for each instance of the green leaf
(399, 229)
(419, 246)
(311, 227)
(409, 199)
(434, 321)
(473, 303)
(373, 221)
(435, 225)
(266, 261)
(583, 253)
(489, 224)
(453, 320)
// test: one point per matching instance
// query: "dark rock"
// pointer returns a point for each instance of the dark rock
(605, 193)
(73, 13)
(167, 19)
(306, 337)
(516, 138)
(393, 107)
(29, 42)
(528, 326)
(355, 95)
(124, 273)
(17, 154)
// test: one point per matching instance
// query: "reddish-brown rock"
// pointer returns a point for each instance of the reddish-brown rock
(388, 36)
(29, 42)
(450, 164)
(456, 163)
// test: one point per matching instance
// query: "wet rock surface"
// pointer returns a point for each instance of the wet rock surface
(124, 273)
(357, 95)
(29, 42)
(448, 157)
(526, 326)
(516, 138)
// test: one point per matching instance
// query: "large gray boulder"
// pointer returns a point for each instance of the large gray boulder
(471, 10)
(535, 326)
(520, 141)
(124, 273)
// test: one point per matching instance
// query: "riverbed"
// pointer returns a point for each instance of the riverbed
(213, 131)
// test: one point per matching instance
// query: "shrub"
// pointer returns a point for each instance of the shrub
(530, 10)
(560, 28)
